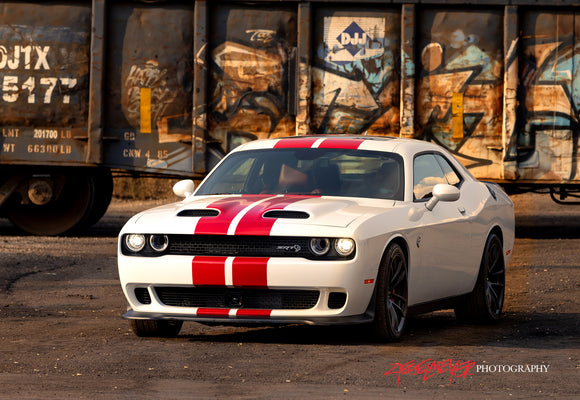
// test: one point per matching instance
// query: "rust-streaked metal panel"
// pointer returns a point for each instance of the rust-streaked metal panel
(304, 69)
(200, 97)
(575, 170)
(355, 73)
(549, 76)
(461, 51)
(97, 84)
(44, 82)
(509, 116)
(170, 86)
(251, 58)
(149, 86)
(408, 62)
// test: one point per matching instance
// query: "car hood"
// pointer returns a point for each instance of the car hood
(255, 215)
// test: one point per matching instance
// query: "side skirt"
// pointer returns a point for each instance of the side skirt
(442, 304)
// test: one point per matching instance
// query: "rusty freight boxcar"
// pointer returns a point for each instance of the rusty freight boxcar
(166, 88)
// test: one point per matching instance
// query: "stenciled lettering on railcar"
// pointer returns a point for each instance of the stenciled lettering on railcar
(35, 89)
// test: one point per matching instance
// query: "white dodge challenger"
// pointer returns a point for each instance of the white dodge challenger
(320, 230)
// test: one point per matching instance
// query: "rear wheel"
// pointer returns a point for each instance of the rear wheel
(155, 328)
(485, 303)
(392, 294)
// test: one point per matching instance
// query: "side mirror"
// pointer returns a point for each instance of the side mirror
(442, 192)
(184, 188)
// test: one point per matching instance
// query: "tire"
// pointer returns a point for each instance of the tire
(102, 192)
(63, 213)
(81, 198)
(156, 328)
(485, 303)
(392, 294)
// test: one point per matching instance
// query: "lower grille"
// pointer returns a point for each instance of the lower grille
(142, 295)
(259, 299)
(336, 300)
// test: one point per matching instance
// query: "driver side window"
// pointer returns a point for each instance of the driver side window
(426, 174)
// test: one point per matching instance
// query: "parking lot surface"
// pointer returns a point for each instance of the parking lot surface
(62, 335)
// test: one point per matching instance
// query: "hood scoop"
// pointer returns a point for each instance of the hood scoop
(198, 213)
(288, 214)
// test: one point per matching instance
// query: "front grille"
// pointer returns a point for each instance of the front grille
(259, 299)
(248, 246)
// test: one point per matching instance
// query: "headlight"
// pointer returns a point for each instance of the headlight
(134, 242)
(344, 246)
(158, 242)
(319, 246)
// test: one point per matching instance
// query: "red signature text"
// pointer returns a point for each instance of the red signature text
(429, 367)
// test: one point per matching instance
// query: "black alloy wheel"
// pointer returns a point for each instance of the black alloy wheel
(485, 303)
(392, 294)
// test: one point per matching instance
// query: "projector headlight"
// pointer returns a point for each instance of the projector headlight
(135, 242)
(159, 242)
(344, 246)
(319, 246)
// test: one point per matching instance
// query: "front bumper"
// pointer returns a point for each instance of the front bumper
(355, 319)
(347, 280)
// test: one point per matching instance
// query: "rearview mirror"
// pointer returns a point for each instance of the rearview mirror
(442, 192)
(184, 188)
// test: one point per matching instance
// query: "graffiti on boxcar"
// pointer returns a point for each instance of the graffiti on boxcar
(249, 93)
(549, 80)
(356, 88)
(460, 96)
(152, 77)
(355, 77)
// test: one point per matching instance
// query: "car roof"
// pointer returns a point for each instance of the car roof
(377, 143)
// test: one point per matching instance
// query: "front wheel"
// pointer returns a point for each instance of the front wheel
(392, 294)
(156, 328)
(485, 303)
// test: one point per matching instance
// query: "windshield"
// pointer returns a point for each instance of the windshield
(325, 172)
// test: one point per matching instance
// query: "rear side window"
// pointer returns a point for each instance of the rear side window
(430, 170)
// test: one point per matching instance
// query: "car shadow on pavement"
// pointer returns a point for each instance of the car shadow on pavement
(548, 226)
(519, 330)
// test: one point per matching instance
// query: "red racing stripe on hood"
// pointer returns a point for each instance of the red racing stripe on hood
(229, 208)
(254, 224)
(208, 270)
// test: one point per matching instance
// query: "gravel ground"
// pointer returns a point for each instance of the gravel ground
(62, 336)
